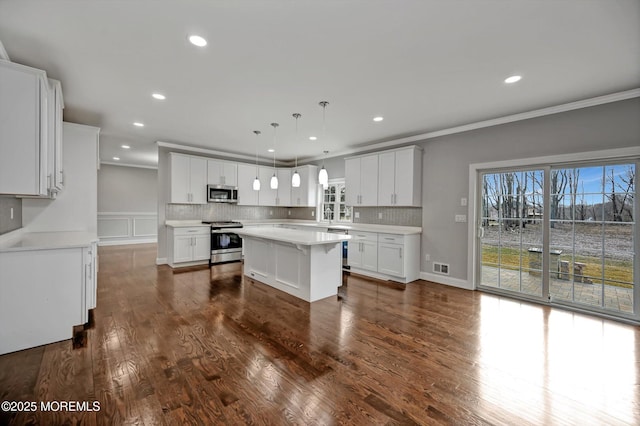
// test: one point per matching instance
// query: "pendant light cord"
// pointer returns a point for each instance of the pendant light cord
(257, 132)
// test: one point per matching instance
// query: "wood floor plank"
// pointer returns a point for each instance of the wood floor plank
(210, 346)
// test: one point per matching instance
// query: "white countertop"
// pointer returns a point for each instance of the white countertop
(293, 236)
(186, 224)
(24, 241)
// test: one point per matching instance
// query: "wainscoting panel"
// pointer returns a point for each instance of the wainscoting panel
(127, 228)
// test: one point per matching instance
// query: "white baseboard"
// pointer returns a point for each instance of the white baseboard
(127, 241)
(442, 279)
(161, 261)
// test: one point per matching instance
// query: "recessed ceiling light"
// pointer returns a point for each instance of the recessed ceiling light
(378, 118)
(197, 40)
(125, 146)
(138, 124)
(271, 150)
(116, 158)
(313, 138)
(159, 96)
(512, 79)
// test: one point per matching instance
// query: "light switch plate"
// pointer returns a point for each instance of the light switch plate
(357, 215)
(463, 201)
(461, 218)
(379, 215)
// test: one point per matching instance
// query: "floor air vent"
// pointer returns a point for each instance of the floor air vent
(441, 268)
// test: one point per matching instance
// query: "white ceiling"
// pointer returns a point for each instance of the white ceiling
(424, 65)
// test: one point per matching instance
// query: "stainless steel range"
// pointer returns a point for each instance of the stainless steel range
(226, 245)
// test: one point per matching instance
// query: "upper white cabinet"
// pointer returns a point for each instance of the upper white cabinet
(361, 180)
(188, 179)
(23, 130)
(283, 194)
(400, 177)
(306, 194)
(55, 173)
(267, 196)
(222, 173)
(246, 175)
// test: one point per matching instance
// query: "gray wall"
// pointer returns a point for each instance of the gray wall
(127, 189)
(6, 223)
(446, 163)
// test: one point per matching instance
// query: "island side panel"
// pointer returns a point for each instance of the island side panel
(325, 270)
(292, 269)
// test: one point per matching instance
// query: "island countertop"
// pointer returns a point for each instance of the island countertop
(293, 236)
(24, 241)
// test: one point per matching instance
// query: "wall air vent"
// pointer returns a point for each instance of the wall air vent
(441, 268)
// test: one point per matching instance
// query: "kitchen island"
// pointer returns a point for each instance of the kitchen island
(307, 265)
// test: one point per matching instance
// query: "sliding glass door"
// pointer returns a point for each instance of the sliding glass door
(563, 234)
(511, 250)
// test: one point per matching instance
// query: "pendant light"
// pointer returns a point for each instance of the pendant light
(323, 176)
(256, 181)
(295, 177)
(274, 178)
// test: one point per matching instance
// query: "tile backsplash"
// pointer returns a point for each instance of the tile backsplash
(402, 216)
(6, 223)
(222, 211)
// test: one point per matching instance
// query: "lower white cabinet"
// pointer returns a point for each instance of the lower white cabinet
(44, 293)
(386, 256)
(363, 252)
(189, 246)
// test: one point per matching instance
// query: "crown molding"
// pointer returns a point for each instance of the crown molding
(586, 103)
(138, 166)
(217, 153)
(3, 53)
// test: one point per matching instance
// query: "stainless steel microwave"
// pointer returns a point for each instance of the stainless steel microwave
(222, 194)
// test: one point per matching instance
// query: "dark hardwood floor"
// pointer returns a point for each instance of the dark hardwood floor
(214, 347)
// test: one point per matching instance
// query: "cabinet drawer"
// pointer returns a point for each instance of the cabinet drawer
(391, 238)
(364, 236)
(199, 230)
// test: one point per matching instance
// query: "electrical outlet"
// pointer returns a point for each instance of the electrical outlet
(313, 213)
(11, 213)
(427, 257)
(270, 212)
(463, 201)
(357, 215)
(289, 211)
(379, 215)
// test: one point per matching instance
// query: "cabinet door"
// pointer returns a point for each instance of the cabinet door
(267, 195)
(22, 97)
(354, 254)
(369, 255)
(56, 134)
(180, 175)
(284, 187)
(404, 177)
(390, 259)
(246, 195)
(198, 180)
(202, 247)
(352, 181)
(215, 172)
(230, 173)
(386, 178)
(183, 248)
(369, 180)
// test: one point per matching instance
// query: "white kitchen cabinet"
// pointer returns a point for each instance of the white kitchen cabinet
(362, 252)
(23, 130)
(222, 173)
(400, 177)
(267, 196)
(361, 180)
(41, 305)
(188, 179)
(399, 256)
(283, 194)
(306, 194)
(55, 172)
(246, 175)
(189, 245)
